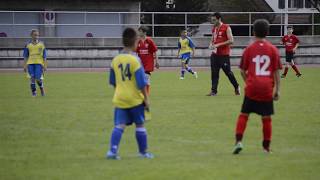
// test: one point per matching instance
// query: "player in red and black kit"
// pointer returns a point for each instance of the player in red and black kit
(291, 43)
(221, 40)
(147, 51)
(260, 65)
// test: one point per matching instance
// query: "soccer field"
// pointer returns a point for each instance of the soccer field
(65, 135)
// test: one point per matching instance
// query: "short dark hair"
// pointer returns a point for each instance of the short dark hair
(261, 28)
(143, 29)
(129, 37)
(217, 15)
(289, 27)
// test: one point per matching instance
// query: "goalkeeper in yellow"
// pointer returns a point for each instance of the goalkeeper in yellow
(35, 62)
(130, 97)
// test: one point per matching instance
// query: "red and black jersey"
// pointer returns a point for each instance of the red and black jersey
(220, 35)
(290, 41)
(145, 50)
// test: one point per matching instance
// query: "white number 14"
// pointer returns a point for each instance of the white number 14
(261, 70)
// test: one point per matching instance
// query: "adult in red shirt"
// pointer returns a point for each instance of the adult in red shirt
(260, 65)
(291, 43)
(221, 40)
(147, 51)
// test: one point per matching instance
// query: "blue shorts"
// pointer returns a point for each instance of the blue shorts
(129, 116)
(35, 71)
(185, 57)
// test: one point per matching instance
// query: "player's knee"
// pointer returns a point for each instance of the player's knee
(121, 126)
(141, 129)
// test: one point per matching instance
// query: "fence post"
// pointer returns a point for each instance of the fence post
(185, 21)
(250, 23)
(312, 20)
(152, 24)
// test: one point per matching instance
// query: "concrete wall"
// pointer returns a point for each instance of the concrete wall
(101, 56)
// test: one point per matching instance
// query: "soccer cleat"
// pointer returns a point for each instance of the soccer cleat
(299, 74)
(112, 156)
(42, 92)
(237, 91)
(195, 75)
(237, 148)
(181, 78)
(283, 76)
(211, 94)
(146, 155)
(267, 151)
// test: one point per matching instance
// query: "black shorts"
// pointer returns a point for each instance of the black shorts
(289, 56)
(259, 107)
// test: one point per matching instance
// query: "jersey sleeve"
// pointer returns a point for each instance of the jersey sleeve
(244, 60)
(26, 52)
(139, 74)
(191, 44)
(276, 59)
(297, 39)
(282, 39)
(153, 47)
(112, 78)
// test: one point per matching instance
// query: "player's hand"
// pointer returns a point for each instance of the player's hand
(146, 104)
(157, 65)
(211, 46)
(276, 96)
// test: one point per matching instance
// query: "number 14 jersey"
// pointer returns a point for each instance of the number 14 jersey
(260, 60)
(127, 75)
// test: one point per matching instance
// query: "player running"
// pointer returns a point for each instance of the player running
(35, 62)
(185, 48)
(260, 65)
(130, 97)
(147, 51)
(291, 43)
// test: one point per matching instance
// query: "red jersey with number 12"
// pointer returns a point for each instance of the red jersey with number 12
(260, 60)
(146, 48)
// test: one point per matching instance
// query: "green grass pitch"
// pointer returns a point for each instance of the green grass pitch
(65, 135)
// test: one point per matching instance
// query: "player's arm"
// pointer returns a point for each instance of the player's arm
(156, 60)
(142, 85)
(25, 57)
(179, 47)
(112, 78)
(45, 62)
(243, 74)
(276, 94)
(229, 41)
(193, 47)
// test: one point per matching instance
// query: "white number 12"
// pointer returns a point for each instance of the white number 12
(262, 70)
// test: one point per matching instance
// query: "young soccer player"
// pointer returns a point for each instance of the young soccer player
(259, 66)
(291, 43)
(185, 48)
(35, 58)
(130, 98)
(147, 51)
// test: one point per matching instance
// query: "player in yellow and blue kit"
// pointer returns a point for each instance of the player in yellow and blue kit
(35, 57)
(185, 48)
(130, 97)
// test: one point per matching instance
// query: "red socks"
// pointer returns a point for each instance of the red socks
(241, 126)
(267, 132)
(294, 67)
(285, 71)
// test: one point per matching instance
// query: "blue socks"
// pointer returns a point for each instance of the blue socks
(115, 139)
(33, 85)
(141, 136)
(190, 70)
(182, 72)
(40, 83)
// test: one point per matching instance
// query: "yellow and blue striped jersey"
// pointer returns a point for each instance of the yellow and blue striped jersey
(185, 45)
(127, 75)
(35, 53)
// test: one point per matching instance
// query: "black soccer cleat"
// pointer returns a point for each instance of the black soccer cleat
(299, 74)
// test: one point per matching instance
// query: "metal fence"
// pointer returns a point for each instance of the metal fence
(166, 24)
